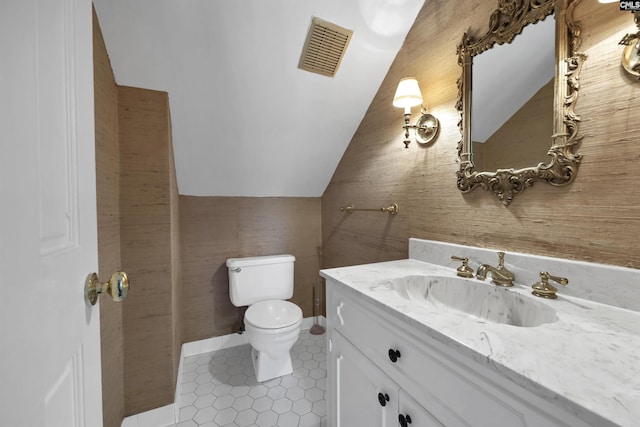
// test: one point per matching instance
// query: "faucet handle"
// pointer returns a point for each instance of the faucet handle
(544, 289)
(464, 270)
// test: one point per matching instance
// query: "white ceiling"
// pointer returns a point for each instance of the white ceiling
(246, 121)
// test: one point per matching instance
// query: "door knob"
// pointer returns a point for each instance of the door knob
(117, 287)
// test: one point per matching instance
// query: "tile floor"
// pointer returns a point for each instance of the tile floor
(219, 389)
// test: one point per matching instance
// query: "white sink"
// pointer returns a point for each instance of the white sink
(482, 301)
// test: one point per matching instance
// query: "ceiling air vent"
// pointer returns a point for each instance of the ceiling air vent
(324, 48)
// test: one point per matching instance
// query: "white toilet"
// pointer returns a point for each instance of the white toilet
(272, 324)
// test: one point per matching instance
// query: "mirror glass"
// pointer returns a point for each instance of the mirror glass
(512, 118)
(516, 98)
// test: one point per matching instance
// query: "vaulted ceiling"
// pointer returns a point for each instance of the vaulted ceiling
(246, 120)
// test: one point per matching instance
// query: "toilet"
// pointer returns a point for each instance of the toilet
(272, 324)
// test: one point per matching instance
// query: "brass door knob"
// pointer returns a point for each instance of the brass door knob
(117, 287)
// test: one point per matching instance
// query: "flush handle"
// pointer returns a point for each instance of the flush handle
(117, 287)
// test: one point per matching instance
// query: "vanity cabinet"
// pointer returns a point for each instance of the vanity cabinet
(366, 396)
(381, 366)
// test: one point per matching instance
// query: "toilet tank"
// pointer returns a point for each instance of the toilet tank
(260, 278)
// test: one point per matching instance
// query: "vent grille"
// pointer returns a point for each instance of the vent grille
(325, 46)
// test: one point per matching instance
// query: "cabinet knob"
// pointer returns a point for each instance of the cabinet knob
(383, 399)
(394, 355)
(404, 420)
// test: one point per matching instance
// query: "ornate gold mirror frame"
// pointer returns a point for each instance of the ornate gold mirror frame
(505, 23)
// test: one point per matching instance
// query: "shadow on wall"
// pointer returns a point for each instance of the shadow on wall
(225, 313)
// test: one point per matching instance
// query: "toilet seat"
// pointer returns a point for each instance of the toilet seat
(273, 314)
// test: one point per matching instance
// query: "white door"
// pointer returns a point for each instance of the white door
(49, 337)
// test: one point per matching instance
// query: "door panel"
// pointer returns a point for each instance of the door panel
(359, 382)
(419, 417)
(50, 342)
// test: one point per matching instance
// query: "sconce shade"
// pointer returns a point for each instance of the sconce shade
(408, 93)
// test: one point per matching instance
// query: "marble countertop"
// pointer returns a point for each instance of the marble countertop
(587, 362)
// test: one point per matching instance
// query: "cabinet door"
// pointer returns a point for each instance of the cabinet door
(413, 414)
(363, 395)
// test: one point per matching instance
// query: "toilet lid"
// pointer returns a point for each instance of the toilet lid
(273, 314)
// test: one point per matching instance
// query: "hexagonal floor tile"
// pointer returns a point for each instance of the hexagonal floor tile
(219, 389)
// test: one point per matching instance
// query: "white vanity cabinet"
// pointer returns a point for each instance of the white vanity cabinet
(375, 354)
(365, 396)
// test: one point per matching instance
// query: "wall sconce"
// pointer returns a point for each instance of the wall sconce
(631, 53)
(408, 95)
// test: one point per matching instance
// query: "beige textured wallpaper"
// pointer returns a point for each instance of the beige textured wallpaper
(108, 207)
(147, 226)
(597, 218)
(138, 232)
(216, 228)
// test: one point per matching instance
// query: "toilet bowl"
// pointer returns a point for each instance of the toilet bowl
(272, 324)
(272, 328)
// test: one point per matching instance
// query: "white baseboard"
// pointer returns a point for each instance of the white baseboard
(158, 417)
(169, 415)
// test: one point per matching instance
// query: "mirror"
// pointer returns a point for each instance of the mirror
(512, 118)
(518, 29)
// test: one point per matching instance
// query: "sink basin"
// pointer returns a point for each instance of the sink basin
(482, 301)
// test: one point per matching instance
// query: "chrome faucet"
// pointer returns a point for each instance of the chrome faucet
(499, 275)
